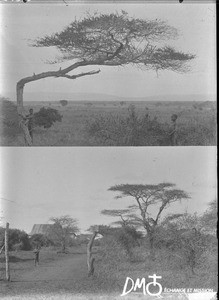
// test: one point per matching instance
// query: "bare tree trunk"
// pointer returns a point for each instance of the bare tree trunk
(150, 234)
(63, 247)
(20, 109)
(7, 253)
(152, 250)
(90, 259)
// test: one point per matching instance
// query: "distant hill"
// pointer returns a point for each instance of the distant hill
(50, 96)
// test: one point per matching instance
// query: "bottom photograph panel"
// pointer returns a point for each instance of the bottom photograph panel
(108, 223)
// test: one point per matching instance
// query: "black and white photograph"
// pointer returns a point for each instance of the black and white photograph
(87, 223)
(108, 178)
(108, 74)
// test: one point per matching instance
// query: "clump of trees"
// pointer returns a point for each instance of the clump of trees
(181, 236)
(150, 202)
(61, 234)
(64, 229)
(40, 240)
(17, 239)
(179, 241)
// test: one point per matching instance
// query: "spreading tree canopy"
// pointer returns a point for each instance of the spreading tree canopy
(150, 202)
(116, 39)
(109, 40)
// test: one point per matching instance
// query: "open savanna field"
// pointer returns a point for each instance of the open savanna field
(196, 123)
(64, 276)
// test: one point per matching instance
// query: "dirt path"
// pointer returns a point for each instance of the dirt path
(67, 267)
(65, 273)
(61, 277)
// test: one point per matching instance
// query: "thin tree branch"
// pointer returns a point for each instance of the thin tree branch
(78, 75)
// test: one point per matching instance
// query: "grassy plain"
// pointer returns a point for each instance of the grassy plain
(196, 122)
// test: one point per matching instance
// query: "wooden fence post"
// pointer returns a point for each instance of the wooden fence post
(7, 253)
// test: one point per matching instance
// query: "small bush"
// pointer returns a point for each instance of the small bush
(63, 102)
(46, 117)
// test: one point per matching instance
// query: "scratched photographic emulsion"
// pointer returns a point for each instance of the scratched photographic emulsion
(108, 178)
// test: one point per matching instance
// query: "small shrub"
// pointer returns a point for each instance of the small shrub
(63, 102)
(46, 117)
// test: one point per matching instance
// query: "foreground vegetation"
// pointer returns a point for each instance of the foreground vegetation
(184, 257)
(67, 273)
(115, 124)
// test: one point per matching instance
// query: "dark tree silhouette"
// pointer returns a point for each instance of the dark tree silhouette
(108, 40)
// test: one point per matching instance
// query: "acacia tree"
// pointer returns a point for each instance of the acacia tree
(151, 201)
(63, 229)
(108, 40)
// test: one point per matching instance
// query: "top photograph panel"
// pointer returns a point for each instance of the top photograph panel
(110, 74)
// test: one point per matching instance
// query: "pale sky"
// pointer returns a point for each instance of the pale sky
(46, 182)
(196, 24)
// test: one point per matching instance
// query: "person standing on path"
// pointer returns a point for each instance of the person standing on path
(174, 131)
(29, 119)
(36, 252)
